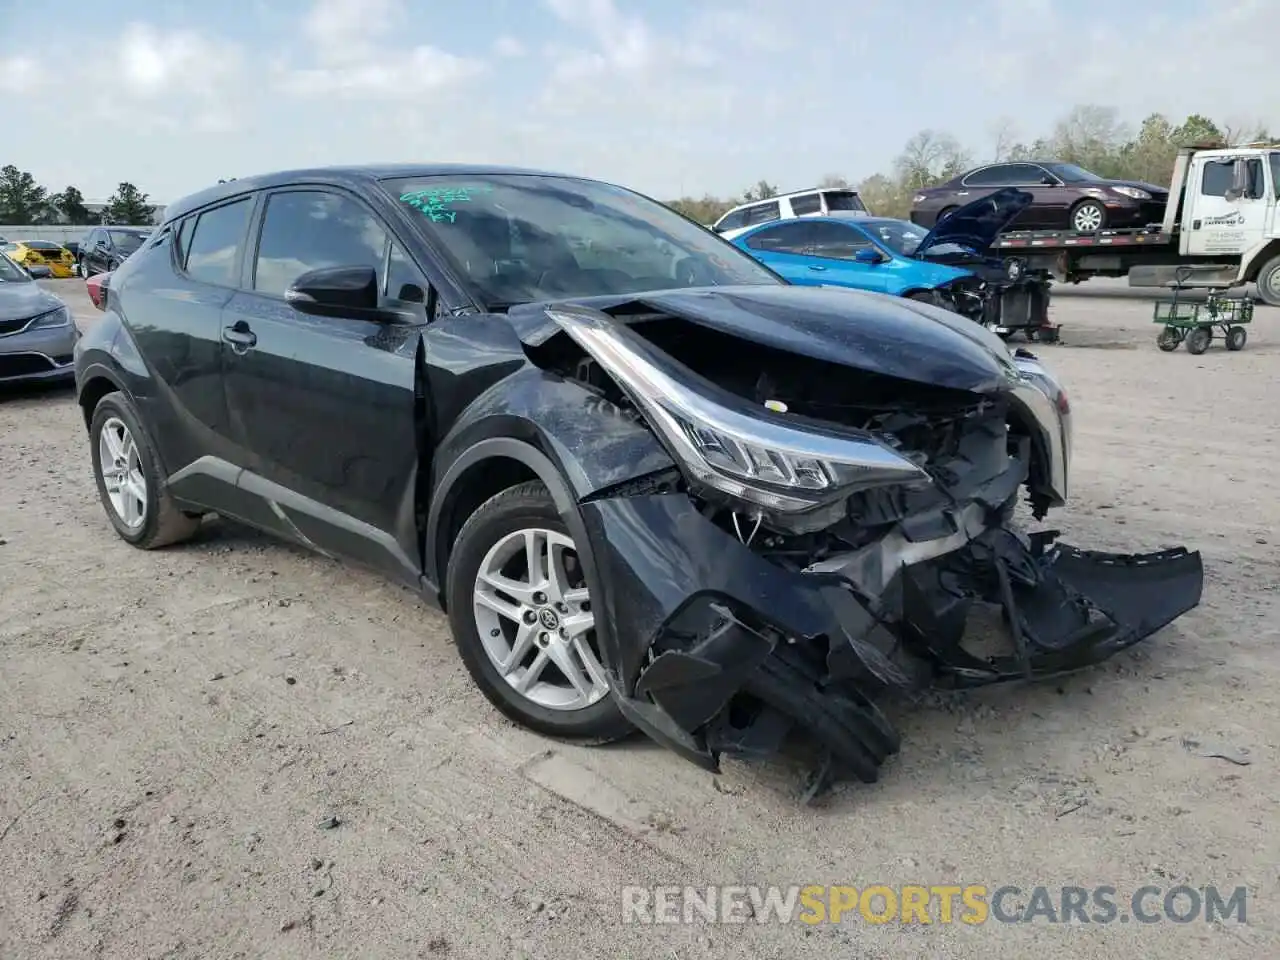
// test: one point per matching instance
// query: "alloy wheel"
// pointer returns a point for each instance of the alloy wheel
(1087, 218)
(122, 476)
(534, 617)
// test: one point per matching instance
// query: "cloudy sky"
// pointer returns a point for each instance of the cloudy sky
(666, 96)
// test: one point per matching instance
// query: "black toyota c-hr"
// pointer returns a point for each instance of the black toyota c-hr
(652, 484)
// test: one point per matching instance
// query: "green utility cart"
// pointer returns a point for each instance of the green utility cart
(1195, 323)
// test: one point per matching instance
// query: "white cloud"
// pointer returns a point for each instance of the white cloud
(667, 98)
(350, 52)
(508, 47)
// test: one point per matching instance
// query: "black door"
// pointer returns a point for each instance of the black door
(325, 405)
(188, 277)
(93, 254)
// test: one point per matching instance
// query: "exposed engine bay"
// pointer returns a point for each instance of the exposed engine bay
(786, 591)
(1002, 305)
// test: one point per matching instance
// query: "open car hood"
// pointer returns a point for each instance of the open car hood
(976, 225)
(863, 331)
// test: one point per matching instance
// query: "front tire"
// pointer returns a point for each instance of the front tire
(130, 481)
(522, 616)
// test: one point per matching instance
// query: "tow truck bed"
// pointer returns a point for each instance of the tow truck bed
(1146, 255)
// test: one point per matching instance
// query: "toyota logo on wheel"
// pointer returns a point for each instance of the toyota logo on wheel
(549, 619)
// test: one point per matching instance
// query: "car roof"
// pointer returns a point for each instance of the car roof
(350, 176)
(786, 196)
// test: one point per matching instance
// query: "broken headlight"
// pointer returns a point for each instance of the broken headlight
(796, 476)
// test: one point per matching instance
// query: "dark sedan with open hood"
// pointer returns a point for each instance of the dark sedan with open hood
(653, 484)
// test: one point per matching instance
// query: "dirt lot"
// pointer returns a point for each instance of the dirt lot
(177, 729)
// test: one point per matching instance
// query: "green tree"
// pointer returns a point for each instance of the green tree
(129, 205)
(70, 202)
(22, 200)
(763, 190)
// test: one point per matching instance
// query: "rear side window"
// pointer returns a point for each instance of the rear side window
(732, 221)
(809, 203)
(213, 252)
(990, 177)
(309, 229)
(784, 238)
(762, 213)
(845, 200)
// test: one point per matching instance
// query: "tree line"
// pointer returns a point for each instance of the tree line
(24, 202)
(1093, 137)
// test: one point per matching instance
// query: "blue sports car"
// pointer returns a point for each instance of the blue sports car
(947, 266)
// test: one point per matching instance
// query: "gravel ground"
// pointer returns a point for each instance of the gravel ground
(235, 749)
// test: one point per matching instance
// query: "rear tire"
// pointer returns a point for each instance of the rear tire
(1088, 216)
(1168, 339)
(526, 509)
(1237, 337)
(1268, 282)
(132, 487)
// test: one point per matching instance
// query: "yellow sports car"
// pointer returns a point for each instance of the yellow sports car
(41, 253)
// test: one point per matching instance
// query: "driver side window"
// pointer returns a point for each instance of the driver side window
(835, 241)
(308, 229)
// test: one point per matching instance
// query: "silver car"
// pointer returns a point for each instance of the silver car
(37, 334)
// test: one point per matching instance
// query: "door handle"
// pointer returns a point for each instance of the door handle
(240, 336)
(813, 266)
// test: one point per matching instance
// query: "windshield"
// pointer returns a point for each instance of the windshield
(126, 242)
(904, 238)
(1070, 173)
(525, 238)
(900, 236)
(44, 245)
(10, 272)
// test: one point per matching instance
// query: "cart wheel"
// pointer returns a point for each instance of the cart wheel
(1236, 338)
(1168, 339)
(1198, 340)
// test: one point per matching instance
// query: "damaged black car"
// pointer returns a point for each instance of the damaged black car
(652, 484)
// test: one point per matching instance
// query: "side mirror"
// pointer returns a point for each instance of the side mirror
(39, 273)
(868, 255)
(348, 292)
(1239, 180)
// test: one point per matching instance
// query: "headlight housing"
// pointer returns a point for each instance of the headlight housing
(797, 478)
(58, 317)
(919, 198)
(1132, 192)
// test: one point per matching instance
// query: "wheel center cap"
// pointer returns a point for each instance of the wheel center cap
(547, 617)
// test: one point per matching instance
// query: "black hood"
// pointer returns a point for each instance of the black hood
(976, 225)
(890, 336)
(22, 299)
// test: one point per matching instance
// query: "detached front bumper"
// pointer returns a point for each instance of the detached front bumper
(716, 649)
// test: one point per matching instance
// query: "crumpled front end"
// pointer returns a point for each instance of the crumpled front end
(830, 540)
